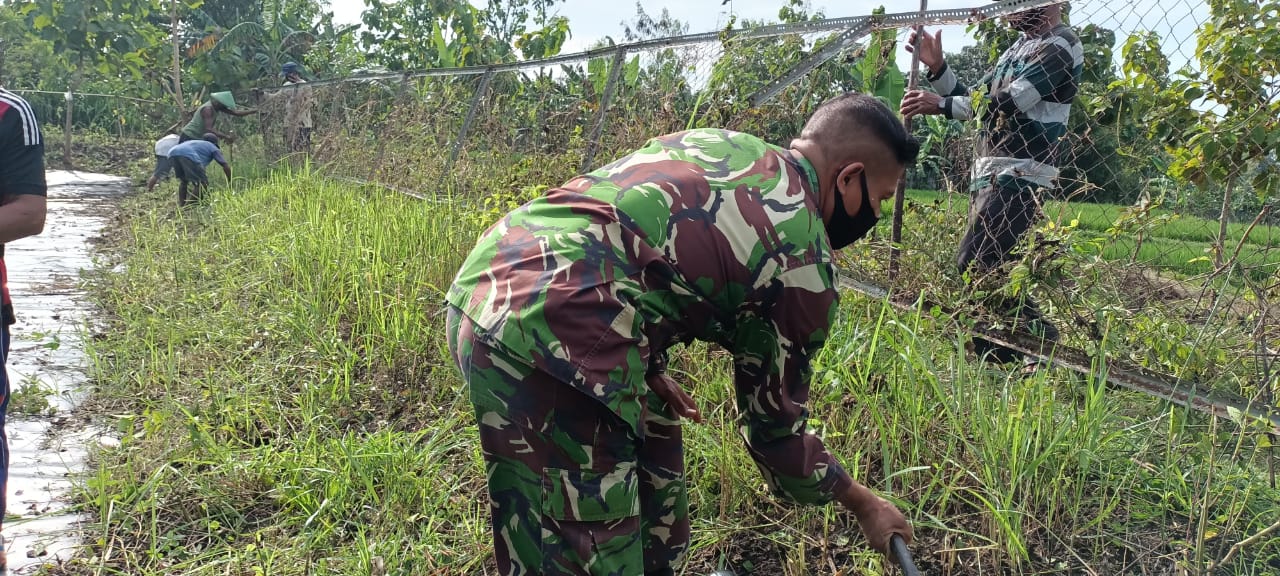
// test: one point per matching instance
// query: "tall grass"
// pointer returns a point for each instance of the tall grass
(277, 369)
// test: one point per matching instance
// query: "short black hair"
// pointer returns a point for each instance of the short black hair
(848, 114)
(211, 138)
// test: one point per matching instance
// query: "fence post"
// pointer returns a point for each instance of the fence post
(899, 198)
(481, 91)
(593, 141)
(66, 131)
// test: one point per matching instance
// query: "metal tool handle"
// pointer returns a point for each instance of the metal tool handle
(898, 547)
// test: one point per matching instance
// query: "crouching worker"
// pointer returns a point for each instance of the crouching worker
(189, 160)
(163, 167)
(561, 316)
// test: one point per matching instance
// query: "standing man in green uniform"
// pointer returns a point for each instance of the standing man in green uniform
(1024, 113)
(202, 121)
(561, 317)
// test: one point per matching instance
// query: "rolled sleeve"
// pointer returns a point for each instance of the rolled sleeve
(946, 82)
(957, 101)
(773, 345)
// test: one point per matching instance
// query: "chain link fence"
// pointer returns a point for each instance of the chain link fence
(1132, 252)
(100, 132)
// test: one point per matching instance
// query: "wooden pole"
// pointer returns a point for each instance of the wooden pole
(66, 131)
(899, 199)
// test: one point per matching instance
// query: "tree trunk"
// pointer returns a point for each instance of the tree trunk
(177, 70)
(1220, 253)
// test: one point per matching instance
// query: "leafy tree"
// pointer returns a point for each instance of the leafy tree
(970, 63)
(655, 85)
(105, 36)
(543, 42)
(256, 49)
(1222, 120)
(750, 64)
(417, 34)
(646, 27)
(228, 13)
(878, 71)
(508, 20)
(26, 62)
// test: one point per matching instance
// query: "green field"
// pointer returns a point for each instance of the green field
(277, 369)
(1180, 246)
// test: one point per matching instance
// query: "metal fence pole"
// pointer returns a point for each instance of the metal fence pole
(593, 142)
(899, 198)
(481, 91)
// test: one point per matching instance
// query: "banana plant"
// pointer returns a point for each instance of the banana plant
(286, 30)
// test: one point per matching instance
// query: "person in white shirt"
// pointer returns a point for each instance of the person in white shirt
(163, 166)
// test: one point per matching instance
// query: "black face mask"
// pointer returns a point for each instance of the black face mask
(845, 229)
(1029, 20)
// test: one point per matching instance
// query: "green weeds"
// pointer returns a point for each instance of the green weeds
(276, 367)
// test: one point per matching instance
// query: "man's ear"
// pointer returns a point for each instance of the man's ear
(846, 180)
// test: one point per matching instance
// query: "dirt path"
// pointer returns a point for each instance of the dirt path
(47, 368)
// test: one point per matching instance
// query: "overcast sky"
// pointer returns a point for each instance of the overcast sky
(591, 20)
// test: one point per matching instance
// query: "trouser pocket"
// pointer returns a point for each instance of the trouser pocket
(591, 522)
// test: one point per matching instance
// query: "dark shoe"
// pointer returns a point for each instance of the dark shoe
(993, 353)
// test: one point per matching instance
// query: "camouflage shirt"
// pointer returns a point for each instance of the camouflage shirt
(1028, 101)
(705, 234)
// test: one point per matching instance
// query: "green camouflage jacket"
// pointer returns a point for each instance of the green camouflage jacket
(705, 234)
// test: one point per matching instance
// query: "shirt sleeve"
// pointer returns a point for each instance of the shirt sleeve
(217, 157)
(21, 154)
(774, 344)
(957, 101)
(1050, 67)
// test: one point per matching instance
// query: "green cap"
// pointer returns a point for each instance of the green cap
(225, 99)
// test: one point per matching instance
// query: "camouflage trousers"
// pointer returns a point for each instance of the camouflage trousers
(571, 489)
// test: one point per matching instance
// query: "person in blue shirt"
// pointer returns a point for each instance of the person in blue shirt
(189, 160)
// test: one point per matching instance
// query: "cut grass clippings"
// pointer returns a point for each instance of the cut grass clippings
(277, 369)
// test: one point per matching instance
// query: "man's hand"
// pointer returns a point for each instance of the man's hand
(675, 396)
(878, 519)
(226, 169)
(920, 103)
(930, 48)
